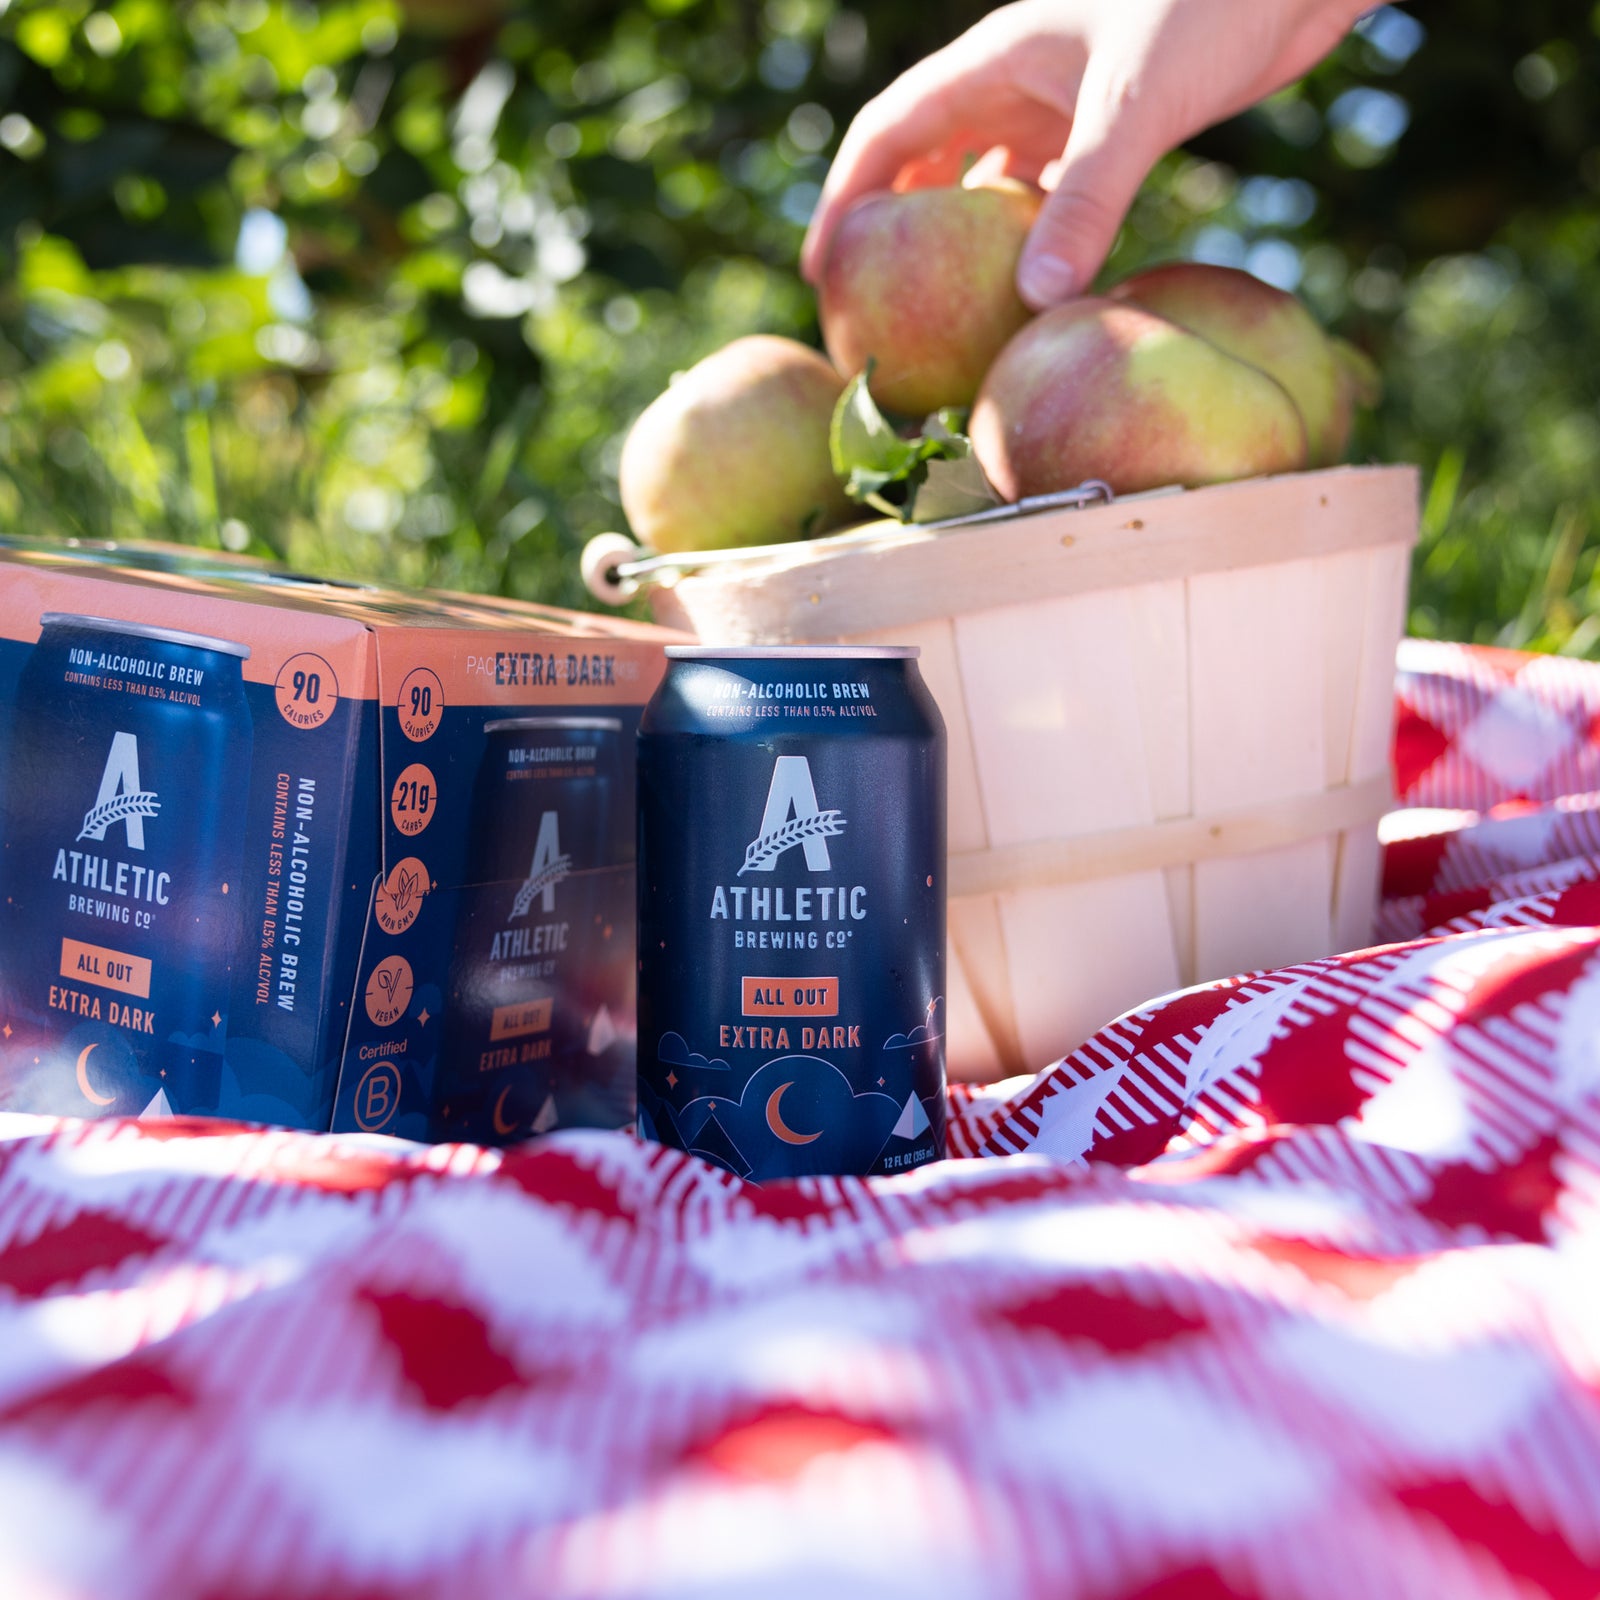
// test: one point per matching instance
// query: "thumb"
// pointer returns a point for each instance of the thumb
(1107, 157)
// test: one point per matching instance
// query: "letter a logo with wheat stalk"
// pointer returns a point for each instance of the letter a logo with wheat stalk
(549, 868)
(122, 798)
(792, 818)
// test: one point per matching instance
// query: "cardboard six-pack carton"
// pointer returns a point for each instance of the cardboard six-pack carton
(318, 855)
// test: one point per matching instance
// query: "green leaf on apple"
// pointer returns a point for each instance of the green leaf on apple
(954, 487)
(922, 478)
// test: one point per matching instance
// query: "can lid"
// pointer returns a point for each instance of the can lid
(143, 630)
(507, 724)
(793, 652)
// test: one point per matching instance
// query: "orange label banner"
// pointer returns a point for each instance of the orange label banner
(791, 997)
(106, 969)
(513, 1022)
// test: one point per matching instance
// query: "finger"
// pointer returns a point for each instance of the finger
(1030, 132)
(928, 109)
(1108, 155)
(989, 68)
(916, 114)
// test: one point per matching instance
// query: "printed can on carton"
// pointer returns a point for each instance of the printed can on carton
(121, 846)
(791, 911)
(527, 1005)
(495, 981)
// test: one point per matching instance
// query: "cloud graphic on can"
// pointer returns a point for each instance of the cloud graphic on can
(852, 1129)
(921, 1034)
(194, 1041)
(674, 1051)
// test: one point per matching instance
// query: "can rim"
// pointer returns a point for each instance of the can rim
(793, 652)
(505, 724)
(145, 630)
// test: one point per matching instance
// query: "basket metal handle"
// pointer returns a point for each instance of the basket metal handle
(615, 568)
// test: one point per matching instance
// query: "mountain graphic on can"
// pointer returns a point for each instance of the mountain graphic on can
(121, 855)
(528, 979)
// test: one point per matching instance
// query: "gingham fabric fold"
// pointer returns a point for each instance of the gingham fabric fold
(1285, 1286)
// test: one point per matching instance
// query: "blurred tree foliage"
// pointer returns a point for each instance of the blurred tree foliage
(378, 285)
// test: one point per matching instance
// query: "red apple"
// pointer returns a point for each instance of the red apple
(923, 284)
(1269, 329)
(1100, 389)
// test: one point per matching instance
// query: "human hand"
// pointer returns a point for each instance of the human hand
(1082, 96)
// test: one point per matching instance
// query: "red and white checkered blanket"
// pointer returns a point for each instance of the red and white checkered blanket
(1319, 1316)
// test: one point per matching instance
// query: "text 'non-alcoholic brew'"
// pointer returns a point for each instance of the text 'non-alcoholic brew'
(792, 911)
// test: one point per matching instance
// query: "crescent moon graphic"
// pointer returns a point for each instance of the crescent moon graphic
(779, 1126)
(83, 1079)
(500, 1124)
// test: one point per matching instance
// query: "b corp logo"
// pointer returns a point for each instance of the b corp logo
(377, 1096)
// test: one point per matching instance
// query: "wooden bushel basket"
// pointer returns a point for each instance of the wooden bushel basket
(1169, 729)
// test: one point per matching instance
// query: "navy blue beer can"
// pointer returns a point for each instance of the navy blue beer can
(534, 1020)
(792, 911)
(121, 858)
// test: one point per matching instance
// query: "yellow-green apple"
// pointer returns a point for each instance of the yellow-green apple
(735, 452)
(1098, 388)
(923, 284)
(1271, 330)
